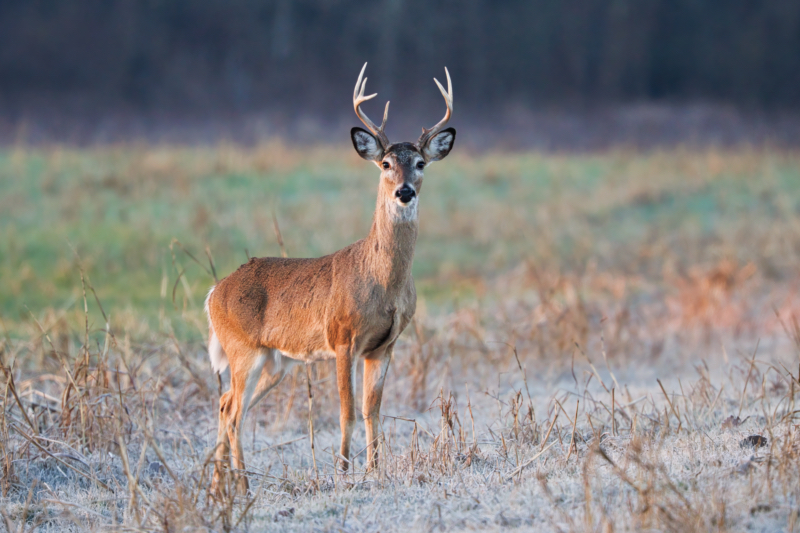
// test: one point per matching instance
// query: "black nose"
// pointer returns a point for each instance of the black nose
(405, 193)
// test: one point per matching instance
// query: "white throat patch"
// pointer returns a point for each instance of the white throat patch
(400, 213)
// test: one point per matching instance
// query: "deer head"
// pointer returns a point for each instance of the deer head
(402, 164)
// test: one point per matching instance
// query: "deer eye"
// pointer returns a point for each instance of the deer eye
(421, 165)
(386, 164)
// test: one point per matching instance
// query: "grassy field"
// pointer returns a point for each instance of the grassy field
(597, 338)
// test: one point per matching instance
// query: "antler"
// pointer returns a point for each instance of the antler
(448, 99)
(358, 99)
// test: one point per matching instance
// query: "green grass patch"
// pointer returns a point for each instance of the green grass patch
(120, 208)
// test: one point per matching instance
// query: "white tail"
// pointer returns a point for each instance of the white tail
(219, 359)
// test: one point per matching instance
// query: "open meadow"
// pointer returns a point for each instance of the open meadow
(603, 342)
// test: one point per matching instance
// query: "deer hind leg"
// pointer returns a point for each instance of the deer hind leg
(244, 380)
(267, 381)
(345, 378)
(270, 379)
(375, 367)
(223, 448)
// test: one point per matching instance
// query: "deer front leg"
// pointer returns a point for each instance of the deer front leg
(375, 367)
(345, 378)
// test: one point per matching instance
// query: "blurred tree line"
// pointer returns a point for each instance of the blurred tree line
(244, 54)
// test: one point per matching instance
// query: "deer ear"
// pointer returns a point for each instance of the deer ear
(439, 145)
(366, 144)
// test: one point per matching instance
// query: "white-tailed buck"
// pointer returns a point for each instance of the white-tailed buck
(273, 313)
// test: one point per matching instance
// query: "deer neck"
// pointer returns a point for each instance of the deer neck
(391, 242)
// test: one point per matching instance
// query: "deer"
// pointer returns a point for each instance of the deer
(352, 305)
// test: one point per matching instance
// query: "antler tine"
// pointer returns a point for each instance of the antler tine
(385, 115)
(448, 99)
(358, 99)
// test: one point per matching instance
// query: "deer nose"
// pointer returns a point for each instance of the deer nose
(405, 193)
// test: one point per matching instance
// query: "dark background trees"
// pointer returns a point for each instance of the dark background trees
(192, 57)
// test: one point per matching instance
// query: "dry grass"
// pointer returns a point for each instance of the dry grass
(607, 378)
